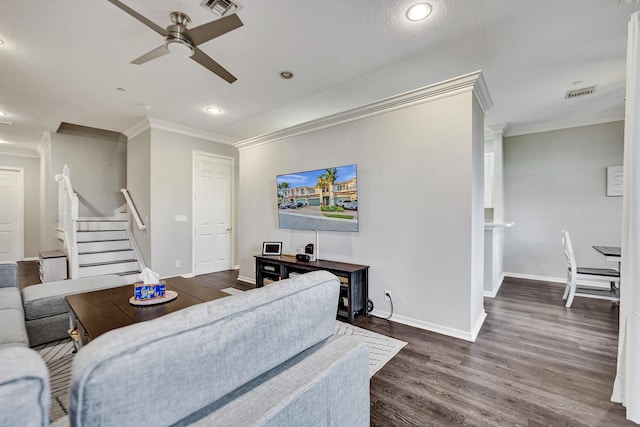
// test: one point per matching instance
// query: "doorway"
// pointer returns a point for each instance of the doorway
(11, 214)
(212, 220)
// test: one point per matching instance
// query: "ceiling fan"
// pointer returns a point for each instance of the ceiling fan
(180, 40)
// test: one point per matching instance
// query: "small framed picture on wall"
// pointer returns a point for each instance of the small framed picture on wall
(272, 248)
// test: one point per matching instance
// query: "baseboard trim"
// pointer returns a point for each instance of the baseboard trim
(492, 294)
(247, 279)
(188, 275)
(562, 280)
(433, 327)
(236, 267)
(31, 258)
(476, 328)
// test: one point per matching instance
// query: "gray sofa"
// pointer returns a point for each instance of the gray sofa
(266, 357)
(33, 316)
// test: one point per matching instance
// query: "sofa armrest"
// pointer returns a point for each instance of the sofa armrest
(8, 274)
(24, 388)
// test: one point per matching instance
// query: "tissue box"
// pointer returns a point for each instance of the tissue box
(149, 291)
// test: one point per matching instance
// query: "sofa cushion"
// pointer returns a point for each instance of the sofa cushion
(10, 298)
(48, 299)
(8, 274)
(24, 388)
(328, 382)
(13, 331)
(174, 365)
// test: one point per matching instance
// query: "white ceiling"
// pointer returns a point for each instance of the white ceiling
(62, 61)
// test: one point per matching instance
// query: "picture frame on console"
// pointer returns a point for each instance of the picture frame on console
(271, 248)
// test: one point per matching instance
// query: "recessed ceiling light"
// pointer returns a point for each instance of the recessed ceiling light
(286, 75)
(214, 110)
(121, 89)
(2, 141)
(2, 113)
(418, 11)
(145, 106)
(1, 42)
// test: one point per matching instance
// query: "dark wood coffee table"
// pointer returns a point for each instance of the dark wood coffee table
(94, 313)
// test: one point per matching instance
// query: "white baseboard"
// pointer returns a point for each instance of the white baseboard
(433, 327)
(247, 279)
(31, 258)
(492, 294)
(562, 280)
(236, 267)
(476, 328)
(188, 275)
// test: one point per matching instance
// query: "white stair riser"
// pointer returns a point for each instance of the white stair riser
(98, 270)
(132, 278)
(103, 246)
(105, 257)
(94, 236)
(101, 225)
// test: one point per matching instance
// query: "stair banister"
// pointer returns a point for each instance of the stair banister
(132, 209)
(67, 218)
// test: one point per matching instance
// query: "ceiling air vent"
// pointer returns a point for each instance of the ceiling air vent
(579, 92)
(219, 7)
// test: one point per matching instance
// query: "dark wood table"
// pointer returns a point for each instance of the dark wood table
(97, 312)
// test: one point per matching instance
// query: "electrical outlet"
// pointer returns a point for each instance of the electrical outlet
(178, 264)
(387, 295)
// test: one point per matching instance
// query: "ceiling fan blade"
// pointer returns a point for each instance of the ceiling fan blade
(213, 29)
(155, 27)
(155, 53)
(201, 58)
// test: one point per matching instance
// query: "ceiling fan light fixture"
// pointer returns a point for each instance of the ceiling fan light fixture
(179, 48)
(418, 11)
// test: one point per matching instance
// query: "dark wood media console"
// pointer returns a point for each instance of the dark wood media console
(354, 279)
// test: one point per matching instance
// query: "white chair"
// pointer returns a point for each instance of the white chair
(602, 283)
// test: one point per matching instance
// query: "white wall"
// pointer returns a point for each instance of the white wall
(417, 197)
(557, 181)
(31, 217)
(161, 180)
(139, 186)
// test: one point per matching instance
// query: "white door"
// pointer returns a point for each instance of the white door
(11, 208)
(212, 213)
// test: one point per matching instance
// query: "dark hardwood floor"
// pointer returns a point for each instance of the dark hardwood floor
(534, 363)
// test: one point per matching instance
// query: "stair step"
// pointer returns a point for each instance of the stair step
(114, 267)
(101, 235)
(105, 256)
(98, 246)
(96, 224)
(131, 276)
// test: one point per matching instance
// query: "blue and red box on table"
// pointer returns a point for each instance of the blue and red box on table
(149, 291)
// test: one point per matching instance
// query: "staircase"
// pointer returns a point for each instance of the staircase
(97, 246)
(104, 247)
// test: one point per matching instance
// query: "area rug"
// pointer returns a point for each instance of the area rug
(58, 356)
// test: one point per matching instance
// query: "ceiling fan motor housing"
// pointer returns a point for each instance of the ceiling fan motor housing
(177, 42)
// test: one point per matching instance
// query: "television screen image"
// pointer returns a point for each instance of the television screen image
(322, 199)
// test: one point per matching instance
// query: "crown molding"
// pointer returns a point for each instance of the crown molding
(515, 130)
(153, 123)
(472, 82)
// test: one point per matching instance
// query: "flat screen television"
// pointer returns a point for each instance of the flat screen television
(321, 200)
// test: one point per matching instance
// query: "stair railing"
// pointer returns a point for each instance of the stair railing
(68, 218)
(132, 209)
